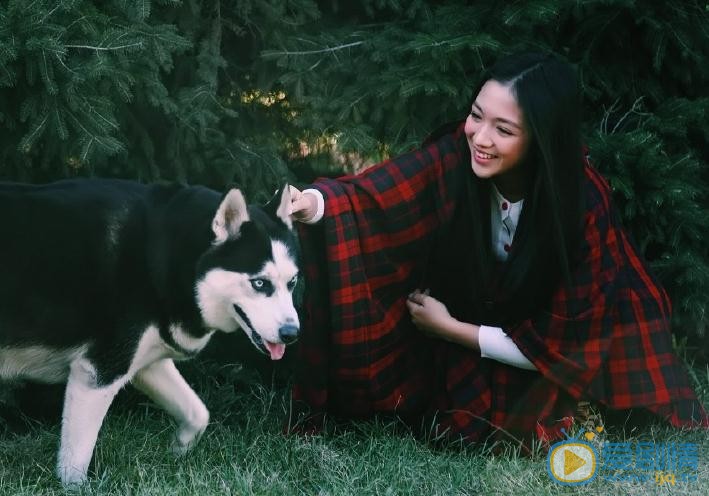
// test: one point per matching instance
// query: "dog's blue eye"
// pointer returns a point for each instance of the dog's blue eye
(292, 282)
(261, 285)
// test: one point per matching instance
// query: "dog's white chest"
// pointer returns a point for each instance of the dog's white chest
(152, 347)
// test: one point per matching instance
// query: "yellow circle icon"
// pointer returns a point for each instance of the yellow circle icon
(572, 462)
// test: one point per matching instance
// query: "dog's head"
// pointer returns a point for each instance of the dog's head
(246, 279)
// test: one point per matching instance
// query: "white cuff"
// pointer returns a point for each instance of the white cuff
(320, 206)
(497, 345)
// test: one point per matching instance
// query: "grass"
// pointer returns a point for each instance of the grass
(244, 452)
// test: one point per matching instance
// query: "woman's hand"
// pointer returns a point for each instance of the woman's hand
(432, 318)
(304, 206)
(427, 313)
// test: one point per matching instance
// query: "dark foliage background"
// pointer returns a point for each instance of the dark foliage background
(258, 92)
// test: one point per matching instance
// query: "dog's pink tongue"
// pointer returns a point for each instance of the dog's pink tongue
(277, 350)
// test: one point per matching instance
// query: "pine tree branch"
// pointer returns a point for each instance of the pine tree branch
(63, 64)
(603, 128)
(37, 129)
(97, 48)
(50, 13)
(637, 105)
(87, 149)
(313, 52)
(99, 115)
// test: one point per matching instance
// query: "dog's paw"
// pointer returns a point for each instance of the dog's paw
(189, 433)
(71, 477)
(180, 448)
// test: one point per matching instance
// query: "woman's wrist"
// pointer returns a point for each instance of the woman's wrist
(316, 206)
(464, 334)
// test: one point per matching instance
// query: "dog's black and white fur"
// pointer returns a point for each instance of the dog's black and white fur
(106, 282)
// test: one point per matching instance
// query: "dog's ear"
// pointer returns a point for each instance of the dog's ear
(232, 212)
(280, 206)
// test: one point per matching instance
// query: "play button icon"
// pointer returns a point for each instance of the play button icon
(572, 462)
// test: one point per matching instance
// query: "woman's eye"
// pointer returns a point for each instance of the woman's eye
(504, 131)
(474, 115)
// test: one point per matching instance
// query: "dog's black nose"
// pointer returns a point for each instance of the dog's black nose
(288, 333)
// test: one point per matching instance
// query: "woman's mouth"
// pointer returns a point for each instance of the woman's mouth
(482, 157)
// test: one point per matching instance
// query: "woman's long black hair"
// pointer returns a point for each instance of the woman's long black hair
(550, 227)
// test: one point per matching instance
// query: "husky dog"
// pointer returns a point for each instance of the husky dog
(106, 282)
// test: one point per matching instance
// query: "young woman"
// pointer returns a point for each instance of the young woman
(500, 243)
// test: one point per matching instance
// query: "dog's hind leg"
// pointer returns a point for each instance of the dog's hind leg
(163, 383)
(85, 406)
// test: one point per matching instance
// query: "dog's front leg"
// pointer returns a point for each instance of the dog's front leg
(85, 406)
(163, 383)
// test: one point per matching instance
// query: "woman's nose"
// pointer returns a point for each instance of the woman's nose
(481, 137)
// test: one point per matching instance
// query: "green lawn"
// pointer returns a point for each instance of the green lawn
(244, 452)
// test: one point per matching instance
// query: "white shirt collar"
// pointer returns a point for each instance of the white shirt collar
(504, 217)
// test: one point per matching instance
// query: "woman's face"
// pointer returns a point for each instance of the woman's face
(497, 137)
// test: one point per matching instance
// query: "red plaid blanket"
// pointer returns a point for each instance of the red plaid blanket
(606, 338)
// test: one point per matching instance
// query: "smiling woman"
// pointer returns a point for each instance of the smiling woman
(499, 242)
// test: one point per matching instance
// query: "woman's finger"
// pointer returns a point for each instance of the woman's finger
(417, 296)
(412, 306)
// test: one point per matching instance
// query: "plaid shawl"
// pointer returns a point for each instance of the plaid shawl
(606, 338)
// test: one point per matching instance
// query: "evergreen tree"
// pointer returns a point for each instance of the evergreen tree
(141, 90)
(67, 71)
